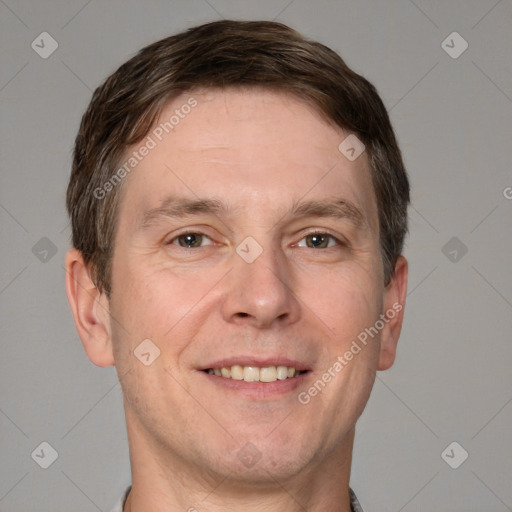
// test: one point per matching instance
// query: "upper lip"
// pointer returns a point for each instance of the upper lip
(260, 362)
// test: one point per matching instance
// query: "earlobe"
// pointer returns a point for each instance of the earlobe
(394, 305)
(90, 309)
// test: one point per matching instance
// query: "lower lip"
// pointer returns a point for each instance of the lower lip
(258, 390)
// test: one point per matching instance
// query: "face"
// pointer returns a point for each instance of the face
(247, 251)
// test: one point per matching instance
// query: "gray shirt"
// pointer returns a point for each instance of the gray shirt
(354, 503)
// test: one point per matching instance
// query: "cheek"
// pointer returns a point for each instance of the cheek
(146, 313)
(161, 303)
(346, 299)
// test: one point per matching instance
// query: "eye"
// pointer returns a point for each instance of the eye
(191, 240)
(318, 241)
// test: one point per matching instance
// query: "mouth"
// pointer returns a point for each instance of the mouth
(252, 373)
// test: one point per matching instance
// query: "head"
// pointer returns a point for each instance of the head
(216, 212)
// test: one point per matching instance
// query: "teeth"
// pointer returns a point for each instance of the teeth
(282, 372)
(251, 374)
(237, 372)
(255, 374)
(268, 374)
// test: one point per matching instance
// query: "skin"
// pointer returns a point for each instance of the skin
(257, 153)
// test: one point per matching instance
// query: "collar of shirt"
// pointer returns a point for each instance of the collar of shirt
(354, 502)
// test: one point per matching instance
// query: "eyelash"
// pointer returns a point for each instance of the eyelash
(173, 240)
(324, 234)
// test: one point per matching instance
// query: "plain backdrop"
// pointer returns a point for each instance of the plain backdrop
(451, 107)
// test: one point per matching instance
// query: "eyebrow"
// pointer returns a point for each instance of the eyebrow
(178, 207)
(337, 208)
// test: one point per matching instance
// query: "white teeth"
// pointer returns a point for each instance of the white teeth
(268, 374)
(237, 372)
(282, 372)
(251, 374)
(255, 374)
(225, 372)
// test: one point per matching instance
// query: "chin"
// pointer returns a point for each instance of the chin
(262, 463)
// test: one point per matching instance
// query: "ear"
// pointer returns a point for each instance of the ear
(91, 310)
(394, 305)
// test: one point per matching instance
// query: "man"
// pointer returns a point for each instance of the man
(239, 205)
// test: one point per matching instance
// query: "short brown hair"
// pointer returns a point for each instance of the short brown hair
(225, 54)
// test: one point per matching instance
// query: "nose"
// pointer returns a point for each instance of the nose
(260, 294)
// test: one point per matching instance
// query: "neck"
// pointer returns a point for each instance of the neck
(162, 481)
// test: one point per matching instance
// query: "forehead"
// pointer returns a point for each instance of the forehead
(248, 148)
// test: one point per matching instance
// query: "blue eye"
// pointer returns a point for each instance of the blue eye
(191, 240)
(318, 241)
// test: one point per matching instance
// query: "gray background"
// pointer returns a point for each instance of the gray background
(452, 379)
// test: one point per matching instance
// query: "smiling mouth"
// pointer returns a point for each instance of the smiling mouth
(255, 373)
